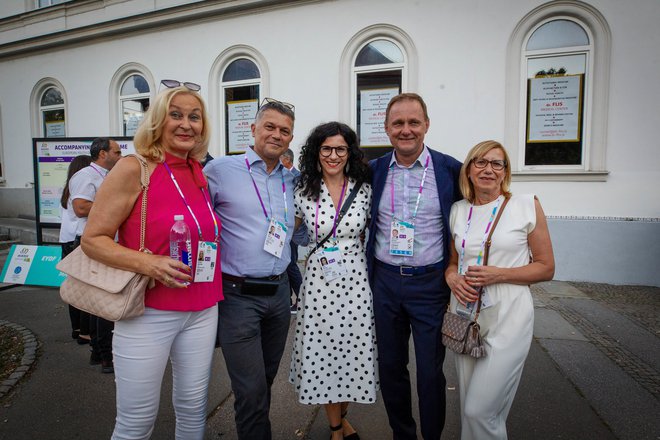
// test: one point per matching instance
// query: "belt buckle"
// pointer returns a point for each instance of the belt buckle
(403, 268)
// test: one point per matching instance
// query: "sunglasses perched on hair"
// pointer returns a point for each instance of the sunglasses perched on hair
(497, 164)
(278, 103)
(172, 83)
(326, 151)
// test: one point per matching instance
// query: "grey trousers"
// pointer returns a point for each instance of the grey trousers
(252, 331)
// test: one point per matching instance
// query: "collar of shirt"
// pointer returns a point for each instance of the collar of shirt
(256, 161)
(421, 160)
(99, 168)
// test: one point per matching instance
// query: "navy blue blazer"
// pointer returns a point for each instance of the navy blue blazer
(446, 168)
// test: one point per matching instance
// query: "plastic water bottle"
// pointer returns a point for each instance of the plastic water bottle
(180, 246)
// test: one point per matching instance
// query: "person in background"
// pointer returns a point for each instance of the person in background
(334, 351)
(293, 271)
(414, 188)
(488, 384)
(180, 318)
(68, 229)
(83, 188)
(253, 194)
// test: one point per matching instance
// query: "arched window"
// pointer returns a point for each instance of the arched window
(133, 102)
(129, 95)
(377, 63)
(240, 85)
(557, 94)
(52, 113)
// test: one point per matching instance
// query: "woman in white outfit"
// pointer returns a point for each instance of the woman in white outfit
(521, 254)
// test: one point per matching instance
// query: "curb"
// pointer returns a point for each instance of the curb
(30, 345)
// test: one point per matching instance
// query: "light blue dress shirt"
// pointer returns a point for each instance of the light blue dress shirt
(244, 224)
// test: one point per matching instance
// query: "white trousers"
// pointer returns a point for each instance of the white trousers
(488, 385)
(141, 347)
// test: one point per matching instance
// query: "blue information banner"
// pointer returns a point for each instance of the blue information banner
(33, 265)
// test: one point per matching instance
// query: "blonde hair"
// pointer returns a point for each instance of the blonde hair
(478, 151)
(147, 139)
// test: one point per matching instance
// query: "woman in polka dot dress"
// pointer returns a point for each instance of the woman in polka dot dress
(334, 354)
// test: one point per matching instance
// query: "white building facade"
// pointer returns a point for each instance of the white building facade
(569, 87)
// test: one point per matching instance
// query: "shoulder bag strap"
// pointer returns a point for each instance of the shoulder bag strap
(144, 183)
(344, 209)
(487, 248)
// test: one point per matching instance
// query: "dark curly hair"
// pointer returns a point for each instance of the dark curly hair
(311, 175)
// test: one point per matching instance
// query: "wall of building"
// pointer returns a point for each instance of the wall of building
(461, 55)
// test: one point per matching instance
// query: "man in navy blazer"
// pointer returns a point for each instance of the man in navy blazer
(406, 269)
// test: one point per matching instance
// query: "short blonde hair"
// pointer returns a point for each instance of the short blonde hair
(147, 139)
(478, 151)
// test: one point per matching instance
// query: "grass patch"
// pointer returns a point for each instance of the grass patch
(11, 351)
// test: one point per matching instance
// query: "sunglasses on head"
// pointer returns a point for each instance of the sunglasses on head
(275, 102)
(172, 83)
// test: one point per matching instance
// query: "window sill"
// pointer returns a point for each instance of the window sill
(559, 176)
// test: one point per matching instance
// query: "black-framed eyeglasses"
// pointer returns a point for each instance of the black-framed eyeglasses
(326, 151)
(172, 83)
(275, 102)
(497, 164)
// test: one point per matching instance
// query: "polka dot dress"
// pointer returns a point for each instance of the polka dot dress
(334, 352)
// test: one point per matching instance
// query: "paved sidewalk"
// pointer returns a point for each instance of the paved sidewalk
(593, 372)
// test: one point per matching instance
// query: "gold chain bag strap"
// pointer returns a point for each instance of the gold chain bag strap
(461, 334)
(102, 290)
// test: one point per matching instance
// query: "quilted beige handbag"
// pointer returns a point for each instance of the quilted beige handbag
(102, 290)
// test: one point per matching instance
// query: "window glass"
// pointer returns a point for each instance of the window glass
(241, 83)
(52, 96)
(134, 102)
(555, 100)
(379, 52)
(556, 34)
(378, 71)
(52, 113)
(241, 69)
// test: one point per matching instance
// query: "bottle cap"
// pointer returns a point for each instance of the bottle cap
(178, 217)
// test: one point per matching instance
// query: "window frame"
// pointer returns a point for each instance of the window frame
(115, 97)
(596, 92)
(348, 72)
(133, 97)
(217, 89)
(37, 123)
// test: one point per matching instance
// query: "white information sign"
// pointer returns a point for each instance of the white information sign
(52, 160)
(19, 265)
(554, 109)
(373, 104)
(241, 116)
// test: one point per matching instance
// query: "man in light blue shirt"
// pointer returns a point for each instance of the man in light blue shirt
(253, 195)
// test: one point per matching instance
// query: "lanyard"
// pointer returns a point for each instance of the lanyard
(95, 169)
(256, 189)
(483, 241)
(185, 202)
(419, 193)
(337, 209)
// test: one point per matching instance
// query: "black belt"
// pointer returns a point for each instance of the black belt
(409, 271)
(241, 280)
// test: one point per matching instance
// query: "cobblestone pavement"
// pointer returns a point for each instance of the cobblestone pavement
(640, 304)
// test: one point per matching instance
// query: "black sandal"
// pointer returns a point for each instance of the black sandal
(353, 436)
(335, 428)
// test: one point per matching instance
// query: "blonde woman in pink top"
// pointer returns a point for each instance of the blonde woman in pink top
(180, 319)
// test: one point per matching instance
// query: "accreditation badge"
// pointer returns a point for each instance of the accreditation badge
(332, 262)
(402, 238)
(275, 238)
(206, 259)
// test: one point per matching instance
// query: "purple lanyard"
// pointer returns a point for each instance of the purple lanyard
(419, 194)
(286, 209)
(337, 209)
(483, 241)
(185, 202)
(100, 173)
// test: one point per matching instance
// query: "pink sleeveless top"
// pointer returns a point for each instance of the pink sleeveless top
(163, 203)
